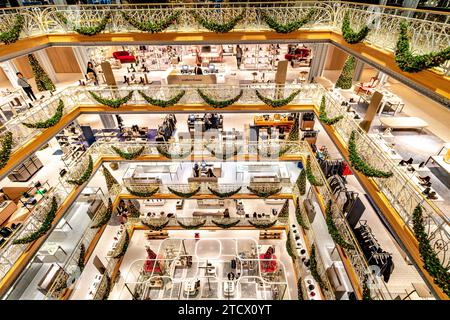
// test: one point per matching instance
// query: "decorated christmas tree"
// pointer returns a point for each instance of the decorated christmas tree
(111, 182)
(294, 133)
(284, 212)
(345, 79)
(301, 182)
(42, 79)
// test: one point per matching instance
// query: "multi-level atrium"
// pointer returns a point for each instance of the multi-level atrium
(268, 151)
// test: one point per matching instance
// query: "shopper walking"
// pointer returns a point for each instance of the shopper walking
(23, 82)
(238, 56)
(91, 73)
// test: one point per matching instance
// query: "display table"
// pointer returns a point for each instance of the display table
(272, 121)
(403, 123)
(151, 173)
(383, 144)
(177, 78)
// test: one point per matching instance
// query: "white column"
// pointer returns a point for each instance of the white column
(82, 58)
(45, 62)
(108, 121)
(359, 67)
(319, 52)
(10, 71)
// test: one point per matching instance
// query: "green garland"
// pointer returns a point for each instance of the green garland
(49, 122)
(313, 268)
(81, 257)
(124, 246)
(294, 133)
(333, 230)
(112, 103)
(264, 194)
(345, 79)
(13, 34)
(429, 257)
(277, 102)
(224, 195)
(301, 182)
(44, 228)
(299, 216)
(185, 194)
(224, 156)
(359, 163)
(87, 31)
(300, 289)
(366, 295)
(351, 36)
(262, 224)
(219, 103)
(283, 149)
(162, 103)
(289, 249)
(106, 216)
(284, 212)
(111, 182)
(128, 155)
(287, 27)
(408, 62)
(153, 27)
(5, 152)
(226, 225)
(108, 288)
(163, 150)
(191, 226)
(218, 27)
(155, 227)
(142, 194)
(323, 115)
(43, 81)
(311, 178)
(85, 176)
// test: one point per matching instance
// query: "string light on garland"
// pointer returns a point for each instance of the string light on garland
(219, 103)
(301, 182)
(90, 30)
(113, 103)
(128, 155)
(105, 217)
(360, 165)
(163, 149)
(351, 36)
(277, 102)
(49, 122)
(81, 257)
(188, 194)
(323, 117)
(111, 182)
(260, 224)
(313, 268)
(218, 27)
(153, 27)
(85, 176)
(142, 192)
(263, 192)
(43, 81)
(13, 34)
(191, 226)
(287, 27)
(5, 152)
(226, 223)
(162, 103)
(224, 195)
(155, 226)
(299, 216)
(345, 80)
(333, 230)
(408, 62)
(309, 174)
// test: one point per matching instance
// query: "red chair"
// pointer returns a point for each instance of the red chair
(124, 57)
(367, 88)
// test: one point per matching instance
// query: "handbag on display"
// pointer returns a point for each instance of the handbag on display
(5, 232)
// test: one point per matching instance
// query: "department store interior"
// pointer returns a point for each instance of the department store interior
(188, 202)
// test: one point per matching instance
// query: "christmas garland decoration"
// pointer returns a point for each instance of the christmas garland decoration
(284, 212)
(108, 288)
(185, 194)
(287, 27)
(81, 257)
(49, 122)
(301, 182)
(323, 115)
(366, 295)
(313, 268)
(299, 216)
(162, 103)
(359, 163)
(5, 152)
(311, 178)
(153, 27)
(44, 228)
(142, 194)
(294, 133)
(13, 34)
(191, 226)
(289, 249)
(124, 246)
(408, 62)
(264, 194)
(224, 156)
(226, 225)
(85, 176)
(128, 155)
(277, 102)
(333, 230)
(112, 103)
(218, 27)
(155, 227)
(41, 78)
(345, 80)
(134, 212)
(87, 31)
(262, 224)
(429, 257)
(224, 195)
(268, 154)
(219, 103)
(351, 36)
(163, 150)
(111, 182)
(300, 289)
(104, 219)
